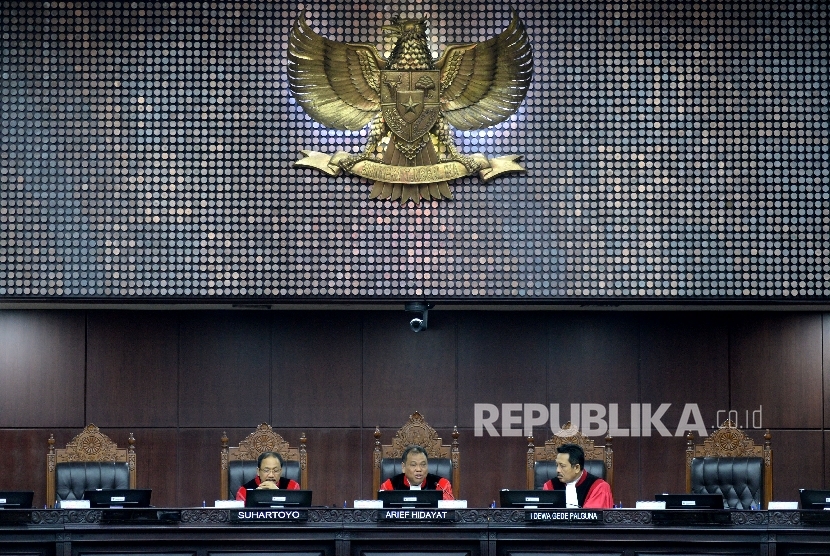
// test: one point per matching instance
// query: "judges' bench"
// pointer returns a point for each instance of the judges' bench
(469, 532)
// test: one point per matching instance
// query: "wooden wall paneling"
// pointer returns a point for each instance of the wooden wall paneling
(157, 458)
(197, 472)
(627, 482)
(337, 464)
(685, 360)
(662, 466)
(42, 368)
(826, 367)
(592, 359)
(317, 359)
(776, 362)
(502, 358)
(23, 465)
(405, 371)
(489, 464)
(826, 452)
(225, 369)
(132, 368)
(798, 461)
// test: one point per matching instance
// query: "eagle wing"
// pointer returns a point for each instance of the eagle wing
(336, 83)
(484, 84)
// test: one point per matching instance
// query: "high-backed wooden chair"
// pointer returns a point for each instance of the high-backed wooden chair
(541, 460)
(731, 464)
(90, 460)
(237, 464)
(444, 460)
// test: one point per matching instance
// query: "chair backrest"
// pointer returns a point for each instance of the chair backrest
(541, 460)
(237, 465)
(90, 460)
(444, 460)
(731, 464)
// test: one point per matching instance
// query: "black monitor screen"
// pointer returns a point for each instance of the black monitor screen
(691, 501)
(16, 498)
(277, 498)
(532, 499)
(815, 499)
(410, 498)
(118, 498)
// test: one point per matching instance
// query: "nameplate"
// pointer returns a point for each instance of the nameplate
(563, 516)
(15, 517)
(691, 517)
(140, 516)
(268, 516)
(227, 504)
(368, 504)
(73, 504)
(815, 517)
(420, 516)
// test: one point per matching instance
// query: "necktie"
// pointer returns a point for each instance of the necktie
(571, 500)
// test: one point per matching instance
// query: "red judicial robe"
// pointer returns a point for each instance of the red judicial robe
(431, 482)
(591, 491)
(285, 484)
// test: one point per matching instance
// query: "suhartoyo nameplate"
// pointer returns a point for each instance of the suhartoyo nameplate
(268, 516)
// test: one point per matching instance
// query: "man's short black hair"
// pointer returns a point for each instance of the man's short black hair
(264, 455)
(414, 448)
(576, 455)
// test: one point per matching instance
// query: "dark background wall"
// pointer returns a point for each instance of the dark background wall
(674, 150)
(178, 379)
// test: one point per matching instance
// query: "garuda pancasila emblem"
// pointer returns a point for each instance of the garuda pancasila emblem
(410, 101)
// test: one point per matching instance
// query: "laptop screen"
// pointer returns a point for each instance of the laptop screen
(16, 498)
(410, 498)
(815, 499)
(532, 499)
(277, 498)
(118, 498)
(691, 501)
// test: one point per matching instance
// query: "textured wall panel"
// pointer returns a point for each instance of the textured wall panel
(674, 151)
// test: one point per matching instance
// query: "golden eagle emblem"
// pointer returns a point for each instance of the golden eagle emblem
(410, 101)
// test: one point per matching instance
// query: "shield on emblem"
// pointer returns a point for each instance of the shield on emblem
(410, 105)
(409, 101)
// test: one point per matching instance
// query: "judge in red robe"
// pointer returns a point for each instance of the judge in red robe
(582, 490)
(268, 476)
(415, 477)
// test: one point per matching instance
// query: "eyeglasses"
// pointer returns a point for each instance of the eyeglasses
(267, 470)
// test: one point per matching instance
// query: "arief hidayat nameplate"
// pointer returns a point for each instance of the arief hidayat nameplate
(415, 515)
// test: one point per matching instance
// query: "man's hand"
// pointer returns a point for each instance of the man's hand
(269, 485)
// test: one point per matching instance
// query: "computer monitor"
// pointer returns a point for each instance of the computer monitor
(118, 498)
(691, 501)
(815, 499)
(15, 499)
(277, 498)
(531, 499)
(410, 498)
